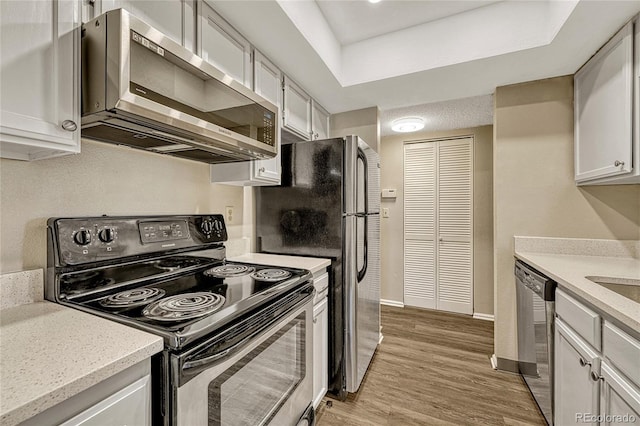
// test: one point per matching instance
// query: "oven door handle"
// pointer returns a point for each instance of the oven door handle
(201, 362)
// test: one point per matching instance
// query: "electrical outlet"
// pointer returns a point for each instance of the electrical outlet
(228, 214)
(385, 212)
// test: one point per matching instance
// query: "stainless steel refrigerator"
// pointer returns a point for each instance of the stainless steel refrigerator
(328, 205)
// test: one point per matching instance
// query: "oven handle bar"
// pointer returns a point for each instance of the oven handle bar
(189, 365)
(196, 363)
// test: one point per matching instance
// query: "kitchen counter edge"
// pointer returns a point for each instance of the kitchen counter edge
(569, 271)
(36, 338)
(312, 264)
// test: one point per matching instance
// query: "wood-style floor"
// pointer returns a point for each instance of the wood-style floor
(433, 368)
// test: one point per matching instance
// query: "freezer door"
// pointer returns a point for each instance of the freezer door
(362, 286)
(303, 216)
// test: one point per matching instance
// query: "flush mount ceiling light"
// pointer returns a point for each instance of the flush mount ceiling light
(407, 124)
(374, 1)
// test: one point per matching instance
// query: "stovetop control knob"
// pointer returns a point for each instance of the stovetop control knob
(217, 225)
(82, 237)
(107, 235)
(206, 226)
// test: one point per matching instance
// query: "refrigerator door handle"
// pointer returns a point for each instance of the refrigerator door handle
(363, 271)
(365, 174)
(362, 158)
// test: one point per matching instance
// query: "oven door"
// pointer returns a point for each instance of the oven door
(264, 378)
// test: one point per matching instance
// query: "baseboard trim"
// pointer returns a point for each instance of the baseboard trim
(391, 303)
(485, 317)
(504, 364)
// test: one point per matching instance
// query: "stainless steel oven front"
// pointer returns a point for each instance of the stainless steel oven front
(249, 374)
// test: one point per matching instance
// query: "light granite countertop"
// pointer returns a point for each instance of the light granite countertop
(49, 353)
(570, 270)
(313, 264)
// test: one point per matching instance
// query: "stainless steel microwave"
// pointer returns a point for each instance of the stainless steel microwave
(143, 90)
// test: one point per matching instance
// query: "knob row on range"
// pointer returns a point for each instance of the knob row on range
(83, 236)
(208, 225)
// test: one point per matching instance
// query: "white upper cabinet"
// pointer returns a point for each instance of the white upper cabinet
(39, 79)
(606, 150)
(297, 109)
(170, 17)
(223, 46)
(268, 84)
(267, 79)
(319, 121)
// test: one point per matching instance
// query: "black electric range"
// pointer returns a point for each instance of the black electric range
(166, 275)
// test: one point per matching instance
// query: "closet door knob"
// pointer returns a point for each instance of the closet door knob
(618, 163)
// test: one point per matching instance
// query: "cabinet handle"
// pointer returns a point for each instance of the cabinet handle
(584, 363)
(262, 170)
(315, 320)
(595, 376)
(618, 163)
(69, 125)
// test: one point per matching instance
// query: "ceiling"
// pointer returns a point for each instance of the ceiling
(357, 20)
(401, 55)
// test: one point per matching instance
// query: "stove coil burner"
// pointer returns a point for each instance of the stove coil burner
(172, 264)
(271, 275)
(229, 270)
(131, 298)
(183, 306)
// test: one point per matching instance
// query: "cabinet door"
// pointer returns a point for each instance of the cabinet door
(603, 110)
(268, 84)
(39, 78)
(575, 392)
(297, 109)
(221, 45)
(319, 121)
(620, 401)
(320, 351)
(166, 16)
(129, 406)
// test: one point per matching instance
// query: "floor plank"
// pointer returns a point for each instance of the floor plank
(433, 368)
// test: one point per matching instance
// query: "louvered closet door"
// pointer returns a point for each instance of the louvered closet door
(454, 226)
(420, 225)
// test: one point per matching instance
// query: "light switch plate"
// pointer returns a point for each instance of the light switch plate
(385, 212)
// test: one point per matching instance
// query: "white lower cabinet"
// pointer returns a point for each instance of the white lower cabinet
(129, 406)
(320, 348)
(620, 399)
(320, 337)
(592, 386)
(575, 391)
(122, 399)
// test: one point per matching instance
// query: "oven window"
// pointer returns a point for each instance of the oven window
(252, 390)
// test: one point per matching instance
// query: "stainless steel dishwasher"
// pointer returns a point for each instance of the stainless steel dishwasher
(536, 310)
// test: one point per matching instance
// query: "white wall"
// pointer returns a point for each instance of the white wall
(102, 179)
(361, 122)
(534, 189)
